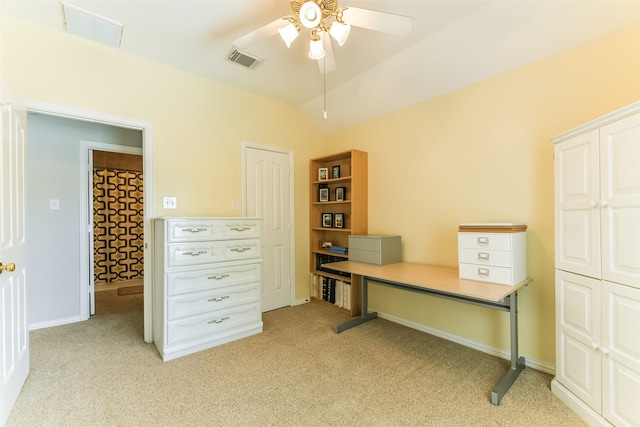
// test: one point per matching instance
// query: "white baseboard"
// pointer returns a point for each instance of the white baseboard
(301, 301)
(56, 322)
(578, 406)
(532, 363)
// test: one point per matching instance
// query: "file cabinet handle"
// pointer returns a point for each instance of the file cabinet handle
(218, 277)
(483, 256)
(218, 299)
(483, 240)
(483, 272)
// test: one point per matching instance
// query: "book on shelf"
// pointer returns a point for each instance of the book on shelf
(327, 259)
(338, 249)
(334, 291)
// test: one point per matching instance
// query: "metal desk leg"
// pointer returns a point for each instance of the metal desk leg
(364, 317)
(517, 363)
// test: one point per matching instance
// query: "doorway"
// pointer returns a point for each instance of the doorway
(63, 311)
(117, 215)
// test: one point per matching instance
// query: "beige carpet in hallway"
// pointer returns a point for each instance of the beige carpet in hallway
(297, 373)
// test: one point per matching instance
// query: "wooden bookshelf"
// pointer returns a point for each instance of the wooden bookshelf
(353, 180)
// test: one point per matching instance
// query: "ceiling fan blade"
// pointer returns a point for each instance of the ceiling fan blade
(328, 63)
(378, 21)
(262, 33)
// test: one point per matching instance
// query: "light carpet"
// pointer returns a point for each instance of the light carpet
(298, 372)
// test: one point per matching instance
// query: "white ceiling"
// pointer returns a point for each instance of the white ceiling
(453, 44)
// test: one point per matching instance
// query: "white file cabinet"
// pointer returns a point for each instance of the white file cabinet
(493, 252)
(207, 283)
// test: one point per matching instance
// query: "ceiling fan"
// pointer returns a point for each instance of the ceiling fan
(326, 20)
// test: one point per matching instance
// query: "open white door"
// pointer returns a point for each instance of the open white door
(14, 338)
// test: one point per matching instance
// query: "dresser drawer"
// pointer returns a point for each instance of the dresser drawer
(208, 301)
(212, 325)
(486, 257)
(186, 230)
(208, 252)
(181, 282)
(493, 241)
(501, 275)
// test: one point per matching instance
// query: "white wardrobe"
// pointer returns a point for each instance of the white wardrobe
(597, 261)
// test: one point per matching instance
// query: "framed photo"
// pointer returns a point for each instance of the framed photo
(323, 194)
(323, 173)
(335, 172)
(340, 194)
(338, 220)
(327, 220)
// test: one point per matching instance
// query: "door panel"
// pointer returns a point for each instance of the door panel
(14, 345)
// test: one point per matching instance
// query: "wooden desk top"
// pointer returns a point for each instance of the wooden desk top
(430, 277)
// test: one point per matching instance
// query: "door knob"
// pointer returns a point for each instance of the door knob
(9, 267)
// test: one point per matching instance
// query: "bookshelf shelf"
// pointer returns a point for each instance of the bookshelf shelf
(347, 174)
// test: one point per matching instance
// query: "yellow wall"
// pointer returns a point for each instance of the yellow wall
(484, 154)
(479, 154)
(198, 124)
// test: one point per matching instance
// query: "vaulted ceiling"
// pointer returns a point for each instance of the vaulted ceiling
(453, 44)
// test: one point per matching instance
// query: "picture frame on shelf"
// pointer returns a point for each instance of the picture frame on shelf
(335, 172)
(338, 220)
(323, 174)
(341, 194)
(323, 194)
(327, 220)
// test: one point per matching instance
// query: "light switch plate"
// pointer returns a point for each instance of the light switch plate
(169, 203)
(54, 204)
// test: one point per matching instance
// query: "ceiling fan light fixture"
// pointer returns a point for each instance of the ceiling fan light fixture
(316, 50)
(289, 33)
(310, 14)
(340, 32)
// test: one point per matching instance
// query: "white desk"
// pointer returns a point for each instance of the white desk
(444, 283)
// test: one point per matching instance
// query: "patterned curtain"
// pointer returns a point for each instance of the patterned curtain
(118, 225)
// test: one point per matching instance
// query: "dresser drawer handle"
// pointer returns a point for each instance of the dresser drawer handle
(483, 272)
(483, 256)
(218, 277)
(240, 249)
(483, 240)
(222, 319)
(194, 253)
(194, 230)
(218, 299)
(241, 229)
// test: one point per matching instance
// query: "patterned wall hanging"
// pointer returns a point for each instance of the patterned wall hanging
(118, 225)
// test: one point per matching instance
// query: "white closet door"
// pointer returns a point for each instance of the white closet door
(577, 213)
(621, 354)
(620, 200)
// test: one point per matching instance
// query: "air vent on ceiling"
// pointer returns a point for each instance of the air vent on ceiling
(91, 26)
(243, 58)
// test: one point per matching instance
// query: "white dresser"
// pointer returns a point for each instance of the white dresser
(493, 252)
(206, 284)
(597, 260)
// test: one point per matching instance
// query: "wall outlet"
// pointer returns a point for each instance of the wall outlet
(169, 203)
(235, 205)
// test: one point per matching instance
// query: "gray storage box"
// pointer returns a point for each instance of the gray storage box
(375, 249)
